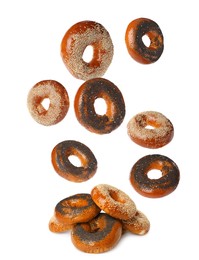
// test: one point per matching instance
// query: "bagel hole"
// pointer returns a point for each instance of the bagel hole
(87, 227)
(100, 106)
(154, 174)
(114, 196)
(94, 228)
(77, 203)
(46, 103)
(88, 54)
(75, 160)
(146, 40)
(149, 127)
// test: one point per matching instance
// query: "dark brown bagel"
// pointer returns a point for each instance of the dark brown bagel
(155, 188)
(77, 208)
(99, 235)
(88, 92)
(134, 42)
(62, 165)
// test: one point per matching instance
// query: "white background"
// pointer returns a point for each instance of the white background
(31, 33)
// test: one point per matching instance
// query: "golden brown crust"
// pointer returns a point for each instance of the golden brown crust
(56, 226)
(113, 201)
(59, 102)
(75, 41)
(159, 135)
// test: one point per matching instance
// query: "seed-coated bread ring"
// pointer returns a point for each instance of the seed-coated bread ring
(159, 135)
(74, 43)
(59, 102)
(155, 188)
(138, 224)
(85, 112)
(76, 209)
(62, 165)
(56, 226)
(113, 201)
(134, 41)
(99, 235)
